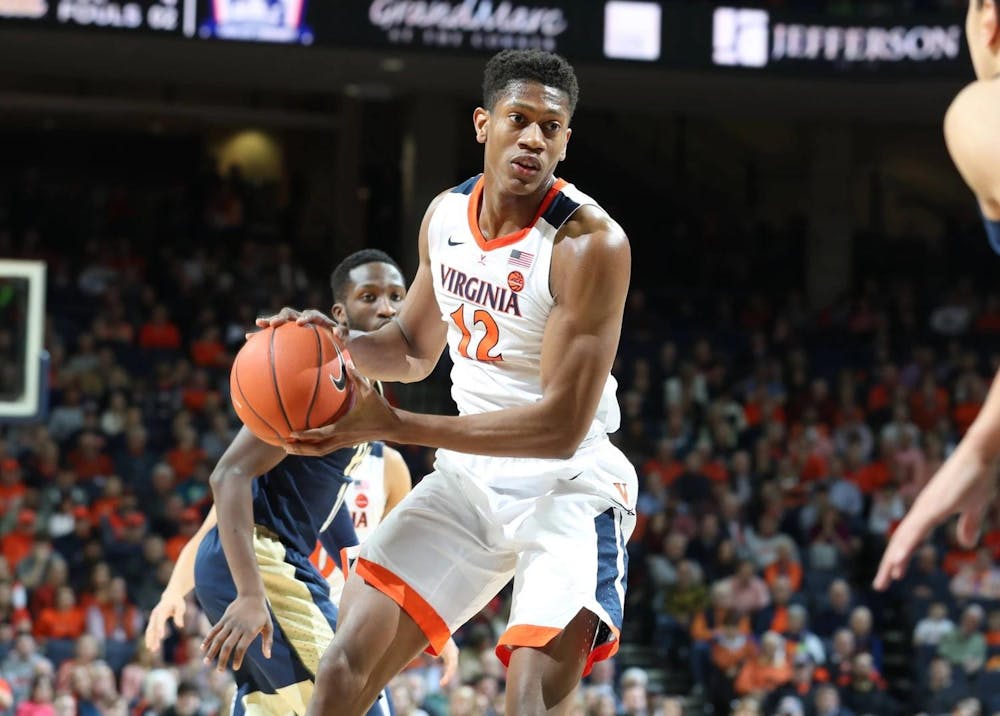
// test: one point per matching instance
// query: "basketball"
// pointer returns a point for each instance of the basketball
(290, 378)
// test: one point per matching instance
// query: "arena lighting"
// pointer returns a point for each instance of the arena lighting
(632, 30)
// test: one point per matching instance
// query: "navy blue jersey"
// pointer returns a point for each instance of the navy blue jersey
(992, 233)
(299, 498)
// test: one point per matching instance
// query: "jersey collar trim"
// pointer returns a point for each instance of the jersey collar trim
(508, 239)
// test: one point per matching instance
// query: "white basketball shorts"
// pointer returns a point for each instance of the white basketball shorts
(557, 527)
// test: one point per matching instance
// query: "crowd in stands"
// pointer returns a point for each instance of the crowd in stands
(777, 448)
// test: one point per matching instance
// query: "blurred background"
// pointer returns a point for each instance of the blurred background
(812, 323)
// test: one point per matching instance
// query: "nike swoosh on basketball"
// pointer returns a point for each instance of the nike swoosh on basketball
(340, 383)
(454, 243)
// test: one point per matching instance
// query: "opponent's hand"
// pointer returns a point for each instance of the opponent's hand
(245, 618)
(963, 485)
(370, 418)
(449, 658)
(169, 606)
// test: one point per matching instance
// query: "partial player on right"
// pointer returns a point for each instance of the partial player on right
(966, 482)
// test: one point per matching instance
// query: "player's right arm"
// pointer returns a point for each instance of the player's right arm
(245, 459)
(964, 484)
(970, 133)
(172, 602)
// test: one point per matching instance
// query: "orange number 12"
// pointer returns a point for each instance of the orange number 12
(486, 343)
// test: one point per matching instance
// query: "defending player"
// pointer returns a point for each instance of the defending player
(524, 278)
(966, 482)
(251, 573)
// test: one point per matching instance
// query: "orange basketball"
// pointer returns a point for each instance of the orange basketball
(290, 378)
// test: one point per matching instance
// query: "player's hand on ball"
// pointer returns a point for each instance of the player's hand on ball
(963, 485)
(289, 315)
(245, 618)
(169, 606)
(370, 418)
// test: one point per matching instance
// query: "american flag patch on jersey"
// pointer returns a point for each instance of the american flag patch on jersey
(520, 258)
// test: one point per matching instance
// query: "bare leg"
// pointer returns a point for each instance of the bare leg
(375, 639)
(541, 680)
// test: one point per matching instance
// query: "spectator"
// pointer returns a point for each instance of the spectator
(836, 613)
(748, 593)
(861, 623)
(925, 579)
(681, 601)
(64, 620)
(979, 579)
(766, 670)
(939, 694)
(800, 639)
(933, 626)
(113, 617)
(159, 332)
(866, 694)
(774, 617)
(767, 543)
(188, 701)
(965, 647)
(22, 665)
(731, 649)
(39, 701)
(786, 565)
(18, 544)
(827, 702)
(707, 626)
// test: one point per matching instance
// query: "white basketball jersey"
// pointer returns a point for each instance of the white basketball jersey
(366, 495)
(495, 297)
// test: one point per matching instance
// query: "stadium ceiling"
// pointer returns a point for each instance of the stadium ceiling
(45, 62)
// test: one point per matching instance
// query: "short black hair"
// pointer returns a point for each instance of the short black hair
(547, 68)
(340, 277)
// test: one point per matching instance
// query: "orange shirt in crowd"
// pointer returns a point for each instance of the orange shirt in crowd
(964, 414)
(955, 558)
(184, 462)
(174, 545)
(701, 631)
(9, 494)
(726, 658)
(756, 676)
(16, 546)
(872, 477)
(87, 468)
(790, 569)
(54, 623)
(163, 335)
(209, 354)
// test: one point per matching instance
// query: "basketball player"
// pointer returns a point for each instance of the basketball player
(252, 572)
(376, 487)
(966, 482)
(524, 278)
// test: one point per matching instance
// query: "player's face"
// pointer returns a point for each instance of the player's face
(981, 33)
(373, 297)
(525, 134)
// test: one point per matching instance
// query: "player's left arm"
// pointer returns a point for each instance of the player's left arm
(970, 133)
(591, 267)
(397, 478)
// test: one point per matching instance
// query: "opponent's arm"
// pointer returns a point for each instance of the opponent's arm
(590, 274)
(969, 133)
(246, 458)
(172, 604)
(397, 478)
(965, 484)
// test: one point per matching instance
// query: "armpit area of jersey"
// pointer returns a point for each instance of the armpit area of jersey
(993, 233)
